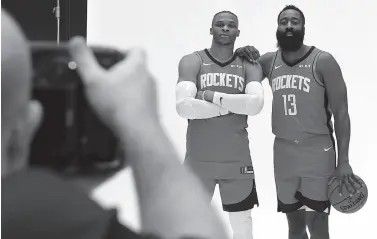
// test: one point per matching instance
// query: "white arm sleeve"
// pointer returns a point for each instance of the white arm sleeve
(250, 103)
(190, 108)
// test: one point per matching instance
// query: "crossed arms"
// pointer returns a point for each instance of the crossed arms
(194, 104)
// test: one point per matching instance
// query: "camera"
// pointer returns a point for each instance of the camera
(71, 138)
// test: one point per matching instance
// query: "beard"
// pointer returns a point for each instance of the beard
(290, 43)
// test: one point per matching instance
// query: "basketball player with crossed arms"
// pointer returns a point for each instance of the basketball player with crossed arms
(308, 89)
(216, 91)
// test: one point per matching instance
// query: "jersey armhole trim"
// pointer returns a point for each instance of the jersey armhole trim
(244, 73)
(244, 68)
(272, 66)
(198, 55)
(201, 61)
(316, 78)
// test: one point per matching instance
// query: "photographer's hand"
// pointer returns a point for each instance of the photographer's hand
(124, 94)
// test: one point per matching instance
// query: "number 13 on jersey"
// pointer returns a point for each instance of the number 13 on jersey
(290, 107)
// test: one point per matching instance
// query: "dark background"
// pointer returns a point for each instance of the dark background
(39, 22)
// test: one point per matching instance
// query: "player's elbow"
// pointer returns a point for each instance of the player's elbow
(255, 105)
(180, 109)
(260, 104)
(183, 109)
(341, 113)
(255, 102)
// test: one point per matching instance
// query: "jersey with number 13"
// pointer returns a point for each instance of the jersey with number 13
(300, 107)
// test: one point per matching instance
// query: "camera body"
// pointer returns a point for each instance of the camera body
(71, 138)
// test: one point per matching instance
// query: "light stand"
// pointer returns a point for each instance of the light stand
(56, 11)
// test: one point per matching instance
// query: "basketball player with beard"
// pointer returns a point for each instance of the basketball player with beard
(216, 92)
(308, 90)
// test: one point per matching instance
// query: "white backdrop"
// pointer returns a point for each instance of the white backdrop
(169, 29)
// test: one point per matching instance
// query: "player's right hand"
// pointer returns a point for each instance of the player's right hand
(249, 52)
(344, 174)
(224, 111)
(124, 94)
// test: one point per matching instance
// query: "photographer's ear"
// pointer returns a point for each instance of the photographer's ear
(20, 138)
(34, 117)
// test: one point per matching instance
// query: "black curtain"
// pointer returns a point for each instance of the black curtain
(39, 22)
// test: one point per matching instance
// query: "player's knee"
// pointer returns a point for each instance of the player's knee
(318, 225)
(241, 223)
(296, 223)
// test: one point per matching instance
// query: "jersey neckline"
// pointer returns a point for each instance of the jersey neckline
(299, 60)
(222, 64)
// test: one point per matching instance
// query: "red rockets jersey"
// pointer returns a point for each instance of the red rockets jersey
(300, 106)
(219, 142)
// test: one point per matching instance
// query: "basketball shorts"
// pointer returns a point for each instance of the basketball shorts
(237, 191)
(303, 170)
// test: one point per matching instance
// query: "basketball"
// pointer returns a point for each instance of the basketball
(345, 203)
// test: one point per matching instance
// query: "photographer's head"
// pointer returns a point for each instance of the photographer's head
(20, 116)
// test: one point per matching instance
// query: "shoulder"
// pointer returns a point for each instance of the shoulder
(189, 68)
(51, 189)
(190, 59)
(325, 62)
(325, 56)
(38, 178)
(42, 193)
(189, 62)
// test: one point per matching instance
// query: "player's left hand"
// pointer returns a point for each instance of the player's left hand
(205, 95)
(344, 174)
(208, 96)
(249, 52)
(199, 95)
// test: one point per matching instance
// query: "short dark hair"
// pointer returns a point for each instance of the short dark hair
(293, 7)
(213, 19)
